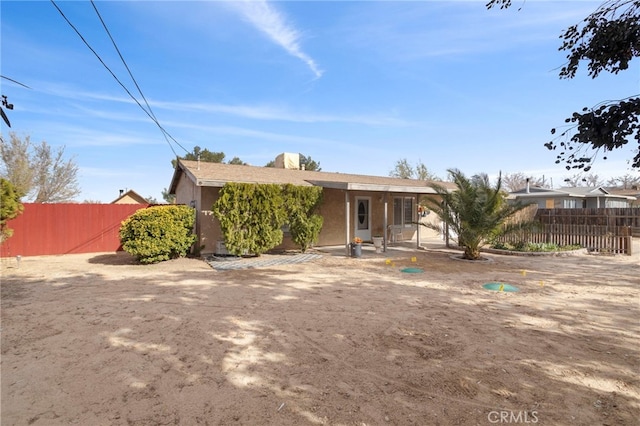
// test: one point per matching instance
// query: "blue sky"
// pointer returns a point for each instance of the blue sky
(355, 85)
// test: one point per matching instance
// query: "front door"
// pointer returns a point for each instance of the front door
(363, 218)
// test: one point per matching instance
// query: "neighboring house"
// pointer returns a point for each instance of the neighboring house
(571, 197)
(353, 205)
(129, 197)
(634, 191)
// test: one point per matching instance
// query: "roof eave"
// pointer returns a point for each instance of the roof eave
(353, 186)
(390, 188)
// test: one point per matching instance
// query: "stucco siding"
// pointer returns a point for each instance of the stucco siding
(332, 210)
(209, 226)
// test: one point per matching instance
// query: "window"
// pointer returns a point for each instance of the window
(408, 211)
(403, 208)
(569, 204)
(616, 203)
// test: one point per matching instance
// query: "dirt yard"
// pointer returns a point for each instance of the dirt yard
(97, 340)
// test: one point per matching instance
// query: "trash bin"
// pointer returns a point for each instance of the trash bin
(356, 250)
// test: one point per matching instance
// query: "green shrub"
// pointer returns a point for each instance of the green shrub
(502, 246)
(300, 203)
(305, 230)
(10, 207)
(158, 233)
(524, 246)
(251, 217)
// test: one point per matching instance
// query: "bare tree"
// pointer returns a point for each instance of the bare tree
(16, 167)
(581, 179)
(625, 182)
(422, 173)
(404, 170)
(38, 172)
(517, 181)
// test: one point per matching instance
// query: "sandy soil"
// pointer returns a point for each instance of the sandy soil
(97, 340)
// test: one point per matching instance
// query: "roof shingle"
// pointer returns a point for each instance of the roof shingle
(217, 174)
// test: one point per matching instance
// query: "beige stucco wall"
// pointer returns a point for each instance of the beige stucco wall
(333, 210)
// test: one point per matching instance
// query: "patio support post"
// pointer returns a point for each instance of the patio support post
(347, 218)
(385, 224)
(418, 221)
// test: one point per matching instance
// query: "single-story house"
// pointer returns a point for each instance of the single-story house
(571, 197)
(354, 206)
(634, 191)
(130, 197)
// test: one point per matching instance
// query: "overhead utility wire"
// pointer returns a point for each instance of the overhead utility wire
(104, 25)
(14, 81)
(113, 75)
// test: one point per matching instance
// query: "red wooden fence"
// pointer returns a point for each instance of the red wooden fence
(67, 228)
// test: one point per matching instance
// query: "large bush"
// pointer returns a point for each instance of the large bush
(252, 216)
(300, 204)
(158, 233)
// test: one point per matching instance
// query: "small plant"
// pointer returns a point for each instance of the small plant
(523, 246)
(502, 246)
(357, 240)
(158, 233)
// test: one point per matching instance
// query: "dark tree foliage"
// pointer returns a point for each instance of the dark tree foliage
(203, 155)
(169, 198)
(237, 161)
(608, 39)
(309, 164)
(607, 127)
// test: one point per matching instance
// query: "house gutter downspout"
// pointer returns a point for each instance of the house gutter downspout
(347, 220)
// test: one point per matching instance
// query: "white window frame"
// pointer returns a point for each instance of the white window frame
(401, 221)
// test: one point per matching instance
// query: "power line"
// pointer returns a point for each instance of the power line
(117, 79)
(14, 81)
(104, 25)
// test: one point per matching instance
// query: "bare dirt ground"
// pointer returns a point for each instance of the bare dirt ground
(98, 340)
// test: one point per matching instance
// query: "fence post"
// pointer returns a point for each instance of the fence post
(628, 240)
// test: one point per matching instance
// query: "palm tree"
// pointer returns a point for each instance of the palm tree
(476, 212)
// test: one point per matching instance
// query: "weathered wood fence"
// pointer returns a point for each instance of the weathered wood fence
(605, 230)
(598, 238)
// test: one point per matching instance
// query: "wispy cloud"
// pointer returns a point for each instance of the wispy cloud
(266, 18)
(408, 31)
(254, 112)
